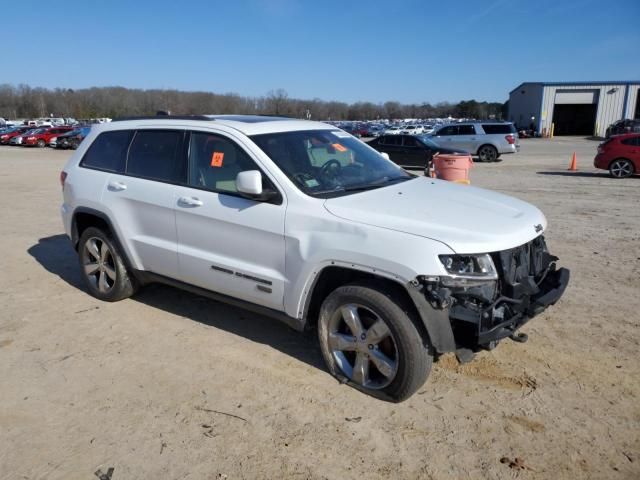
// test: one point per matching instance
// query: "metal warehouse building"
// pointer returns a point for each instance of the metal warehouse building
(574, 108)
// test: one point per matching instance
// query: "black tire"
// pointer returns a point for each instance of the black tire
(110, 267)
(621, 168)
(41, 143)
(487, 153)
(403, 353)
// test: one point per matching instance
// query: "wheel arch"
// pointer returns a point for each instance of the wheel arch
(434, 326)
(488, 144)
(633, 165)
(84, 217)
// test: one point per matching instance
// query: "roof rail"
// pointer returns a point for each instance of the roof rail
(165, 117)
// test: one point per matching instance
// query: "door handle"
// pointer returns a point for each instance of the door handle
(190, 202)
(116, 186)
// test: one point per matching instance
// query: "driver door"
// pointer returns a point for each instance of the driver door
(227, 243)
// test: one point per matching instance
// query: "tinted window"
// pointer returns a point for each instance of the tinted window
(499, 128)
(450, 130)
(393, 140)
(108, 151)
(215, 161)
(156, 154)
(635, 141)
(409, 142)
(466, 130)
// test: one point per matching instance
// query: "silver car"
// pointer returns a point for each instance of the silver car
(487, 140)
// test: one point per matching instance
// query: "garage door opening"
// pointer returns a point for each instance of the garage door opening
(574, 119)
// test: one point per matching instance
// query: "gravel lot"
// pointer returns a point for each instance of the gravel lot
(169, 385)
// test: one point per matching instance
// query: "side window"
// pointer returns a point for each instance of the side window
(466, 130)
(156, 155)
(108, 151)
(409, 141)
(498, 128)
(450, 130)
(394, 140)
(215, 161)
(633, 141)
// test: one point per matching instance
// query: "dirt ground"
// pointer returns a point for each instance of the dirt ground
(168, 385)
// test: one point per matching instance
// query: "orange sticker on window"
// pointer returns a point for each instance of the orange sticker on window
(339, 147)
(216, 159)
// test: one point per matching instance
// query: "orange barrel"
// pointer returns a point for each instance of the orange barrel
(454, 168)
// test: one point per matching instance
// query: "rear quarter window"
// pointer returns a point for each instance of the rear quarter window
(633, 141)
(499, 128)
(108, 151)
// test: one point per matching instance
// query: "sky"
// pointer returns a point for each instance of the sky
(411, 51)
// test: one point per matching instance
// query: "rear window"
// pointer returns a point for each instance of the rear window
(498, 128)
(108, 151)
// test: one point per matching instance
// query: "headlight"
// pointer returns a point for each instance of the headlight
(468, 270)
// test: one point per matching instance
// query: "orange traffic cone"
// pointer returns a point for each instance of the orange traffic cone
(573, 167)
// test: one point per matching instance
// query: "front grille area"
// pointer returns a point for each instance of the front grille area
(482, 314)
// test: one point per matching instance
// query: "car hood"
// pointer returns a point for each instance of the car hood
(466, 218)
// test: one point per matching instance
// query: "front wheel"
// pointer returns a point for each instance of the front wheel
(621, 168)
(369, 341)
(41, 143)
(487, 153)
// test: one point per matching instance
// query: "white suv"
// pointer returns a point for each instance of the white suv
(301, 221)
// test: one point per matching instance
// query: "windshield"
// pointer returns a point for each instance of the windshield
(325, 163)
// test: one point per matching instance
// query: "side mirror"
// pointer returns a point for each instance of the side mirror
(249, 184)
(385, 155)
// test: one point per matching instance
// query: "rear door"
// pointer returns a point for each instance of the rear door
(392, 145)
(631, 150)
(446, 136)
(467, 139)
(141, 199)
(413, 152)
(227, 243)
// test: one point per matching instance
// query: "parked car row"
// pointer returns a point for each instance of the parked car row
(486, 140)
(56, 137)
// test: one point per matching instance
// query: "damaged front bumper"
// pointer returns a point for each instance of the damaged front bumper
(480, 315)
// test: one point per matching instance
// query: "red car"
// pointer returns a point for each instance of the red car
(5, 137)
(620, 154)
(43, 138)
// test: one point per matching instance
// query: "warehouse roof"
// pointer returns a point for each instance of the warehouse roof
(560, 84)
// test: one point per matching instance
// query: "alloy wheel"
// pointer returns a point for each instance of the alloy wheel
(621, 168)
(488, 154)
(99, 265)
(363, 346)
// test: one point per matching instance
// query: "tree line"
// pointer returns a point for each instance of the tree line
(24, 101)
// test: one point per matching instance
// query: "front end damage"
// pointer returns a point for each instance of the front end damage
(479, 312)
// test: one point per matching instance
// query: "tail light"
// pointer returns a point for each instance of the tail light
(63, 177)
(510, 139)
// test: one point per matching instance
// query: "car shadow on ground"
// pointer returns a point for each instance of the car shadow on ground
(577, 174)
(57, 256)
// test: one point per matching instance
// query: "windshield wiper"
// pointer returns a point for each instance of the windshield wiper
(384, 181)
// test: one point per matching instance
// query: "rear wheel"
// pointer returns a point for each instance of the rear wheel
(621, 168)
(369, 341)
(487, 153)
(41, 143)
(103, 269)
